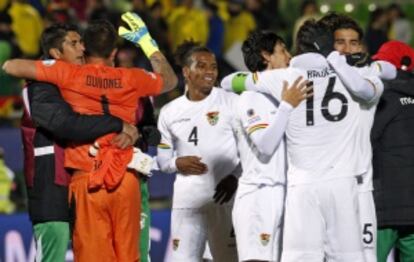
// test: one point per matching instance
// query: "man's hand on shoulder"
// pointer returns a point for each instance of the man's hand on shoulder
(299, 91)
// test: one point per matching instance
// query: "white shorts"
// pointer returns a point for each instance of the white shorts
(322, 222)
(191, 228)
(368, 222)
(257, 219)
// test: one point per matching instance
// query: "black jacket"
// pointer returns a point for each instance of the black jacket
(392, 138)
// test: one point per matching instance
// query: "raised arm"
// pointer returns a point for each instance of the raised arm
(139, 35)
(161, 66)
(266, 133)
(21, 68)
(366, 88)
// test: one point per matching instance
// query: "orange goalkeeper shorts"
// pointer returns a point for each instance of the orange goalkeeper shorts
(106, 223)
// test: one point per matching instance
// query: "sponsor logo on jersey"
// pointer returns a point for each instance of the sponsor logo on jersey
(49, 62)
(264, 239)
(176, 243)
(180, 120)
(213, 117)
(406, 101)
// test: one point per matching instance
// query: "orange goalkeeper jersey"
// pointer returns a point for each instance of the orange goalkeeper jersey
(95, 89)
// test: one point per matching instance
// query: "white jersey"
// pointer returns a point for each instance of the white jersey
(199, 128)
(367, 120)
(255, 112)
(322, 131)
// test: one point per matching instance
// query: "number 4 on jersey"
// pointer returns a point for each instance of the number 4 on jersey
(193, 137)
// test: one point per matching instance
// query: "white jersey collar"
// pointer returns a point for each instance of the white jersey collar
(201, 102)
(308, 61)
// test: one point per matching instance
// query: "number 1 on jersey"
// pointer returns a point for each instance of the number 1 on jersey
(193, 137)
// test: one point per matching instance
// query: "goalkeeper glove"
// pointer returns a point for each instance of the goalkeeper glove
(138, 33)
(140, 162)
(358, 59)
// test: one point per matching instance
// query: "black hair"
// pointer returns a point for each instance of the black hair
(306, 35)
(5, 18)
(305, 4)
(186, 50)
(100, 38)
(155, 5)
(257, 42)
(398, 8)
(377, 13)
(54, 36)
(336, 22)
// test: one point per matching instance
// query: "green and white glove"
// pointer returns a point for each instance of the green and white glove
(138, 33)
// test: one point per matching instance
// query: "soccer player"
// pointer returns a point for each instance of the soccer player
(321, 141)
(47, 121)
(259, 202)
(105, 196)
(348, 37)
(198, 141)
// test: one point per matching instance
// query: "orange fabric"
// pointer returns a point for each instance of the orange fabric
(107, 223)
(109, 171)
(94, 89)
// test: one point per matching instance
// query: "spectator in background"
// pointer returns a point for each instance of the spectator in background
(262, 16)
(376, 33)
(158, 27)
(400, 27)
(60, 12)
(27, 25)
(187, 22)
(239, 25)
(216, 26)
(392, 138)
(10, 86)
(308, 10)
(237, 29)
(6, 186)
(98, 9)
(140, 8)
(8, 49)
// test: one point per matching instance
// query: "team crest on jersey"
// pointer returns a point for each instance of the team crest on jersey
(176, 242)
(264, 239)
(213, 117)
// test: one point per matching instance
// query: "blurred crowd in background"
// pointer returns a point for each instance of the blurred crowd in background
(222, 25)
